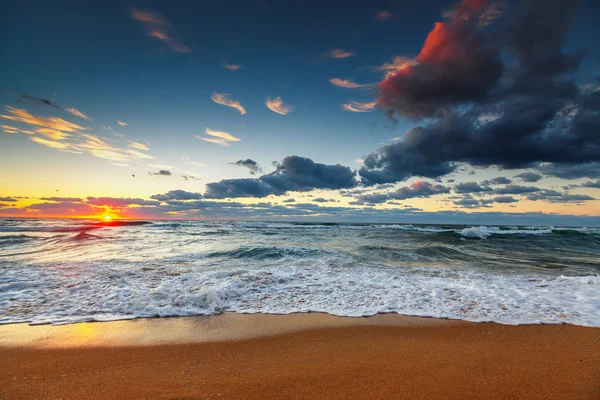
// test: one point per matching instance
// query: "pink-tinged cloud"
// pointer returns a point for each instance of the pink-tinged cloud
(355, 106)
(455, 65)
(384, 16)
(158, 28)
(231, 67)
(78, 113)
(396, 64)
(221, 98)
(122, 123)
(276, 105)
(339, 53)
(350, 84)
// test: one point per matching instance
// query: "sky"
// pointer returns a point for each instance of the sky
(477, 111)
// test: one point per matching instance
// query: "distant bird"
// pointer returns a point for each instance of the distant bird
(133, 176)
(57, 190)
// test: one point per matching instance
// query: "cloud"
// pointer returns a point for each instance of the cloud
(339, 53)
(118, 202)
(355, 106)
(529, 176)
(590, 184)
(571, 171)
(349, 84)
(51, 143)
(222, 99)
(158, 28)
(139, 146)
(516, 189)
(194, 163)
(177, 195)
(419, 189)
(250, 164)
(456, 65)
(55, 123)
(162, 172)
(219, 137)
(471, 187)
(26, 98)
(384, 16)
(122, 123)
(500, 180)
(8, 199)
(292, 174)
(9, 129)
(78, 113)
(554, 196)
(276, 105)
(542, 120)
(190, 177)
(231, 67)
(397, 63)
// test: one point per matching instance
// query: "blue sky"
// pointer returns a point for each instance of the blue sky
(102, 60)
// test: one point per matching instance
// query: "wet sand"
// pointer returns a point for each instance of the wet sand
(306, 356)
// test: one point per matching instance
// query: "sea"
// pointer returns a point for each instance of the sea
(64, 271)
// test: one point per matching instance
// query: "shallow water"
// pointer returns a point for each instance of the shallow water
(61, 271)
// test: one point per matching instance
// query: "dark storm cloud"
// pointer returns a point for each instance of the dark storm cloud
(456, 65)
(501, 180)
(534, 117)
(529, 176)
(417, 189)
(26, 98)
(177, 195)
(571, 171)
(590, 184)
(554, 196)
(250, 164)
(118, 202)
(162, 172)
(292, 174)
(516, 189)
(471, 187)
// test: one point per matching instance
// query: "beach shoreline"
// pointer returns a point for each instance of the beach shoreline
(298, 356)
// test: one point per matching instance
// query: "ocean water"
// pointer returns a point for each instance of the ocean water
(63, 271)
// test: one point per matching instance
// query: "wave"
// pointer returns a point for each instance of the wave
(456, 294)
(264, 253)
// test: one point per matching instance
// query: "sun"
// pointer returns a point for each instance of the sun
(107, 217)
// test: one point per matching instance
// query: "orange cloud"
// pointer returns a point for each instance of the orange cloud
(51, 143)
(276, 105)
(219, 137)
(138, 146)
(221, 98)
(59, 124)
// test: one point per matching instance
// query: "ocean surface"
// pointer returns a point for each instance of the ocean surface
(63, 271)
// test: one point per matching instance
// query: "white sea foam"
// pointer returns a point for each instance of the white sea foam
(85, 293)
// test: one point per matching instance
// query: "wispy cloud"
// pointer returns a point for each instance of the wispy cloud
(339, 53)
(78, 113)
(22, 115)
(52, 133)
(139, 146)
(51, 143)
(9, 129)
(349, 84)
(276, 105)
(218, 137)
(384, 16)
(231, 67)
(355, 106)
(157, 27)
(26, 98)
(397, 63)
(162, 172)
(221, 98)
(197, 164)
(121, 123)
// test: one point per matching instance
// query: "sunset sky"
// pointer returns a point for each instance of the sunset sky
(422, 112)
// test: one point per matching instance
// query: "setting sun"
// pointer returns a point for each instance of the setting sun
(107, 217)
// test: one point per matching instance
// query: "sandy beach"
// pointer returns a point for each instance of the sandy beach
(304, 356)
